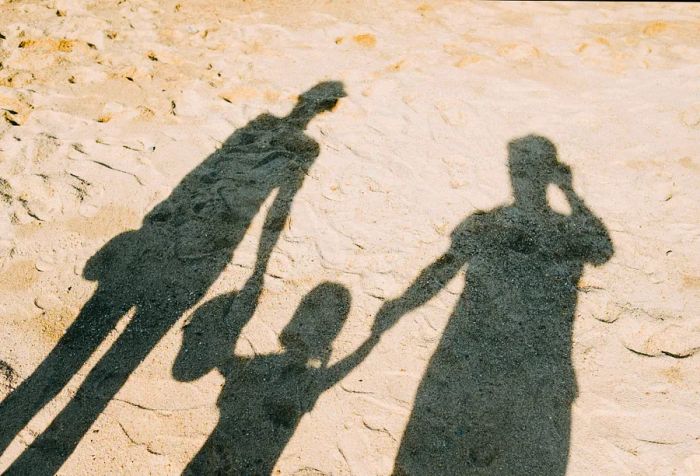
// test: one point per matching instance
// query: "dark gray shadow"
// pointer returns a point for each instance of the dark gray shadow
(496, 395)
(164, 268)
(264, 396)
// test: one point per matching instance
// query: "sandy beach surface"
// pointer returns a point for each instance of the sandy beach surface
(205, 205)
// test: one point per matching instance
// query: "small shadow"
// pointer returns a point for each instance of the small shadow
(264, 396)
(497, 392)
(163, 269)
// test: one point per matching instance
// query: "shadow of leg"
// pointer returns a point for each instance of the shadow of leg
(53, 447)
(97, 318)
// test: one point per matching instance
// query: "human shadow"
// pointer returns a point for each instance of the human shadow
(497, 392)
(164, 268)
(265, 396)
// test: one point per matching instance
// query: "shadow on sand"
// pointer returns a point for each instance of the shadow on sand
(264, 396)
(496, 396)
(164, 268)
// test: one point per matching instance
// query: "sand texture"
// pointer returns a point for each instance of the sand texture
(349, 238)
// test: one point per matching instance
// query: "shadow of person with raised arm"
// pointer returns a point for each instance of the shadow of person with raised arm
(496, 395)
(165, 267)
(265, 396)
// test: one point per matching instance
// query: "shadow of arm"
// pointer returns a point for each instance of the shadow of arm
(426, 286)
(589, 239)
(338, 371)
(273, 226)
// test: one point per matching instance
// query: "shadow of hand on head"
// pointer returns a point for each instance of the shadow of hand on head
(164, 268)
(496, 396)
(265, 396)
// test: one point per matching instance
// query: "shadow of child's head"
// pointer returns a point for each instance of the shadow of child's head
(316, 323)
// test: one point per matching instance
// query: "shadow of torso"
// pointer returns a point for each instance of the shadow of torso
(187, 240)
(261, 405)
(496, 395)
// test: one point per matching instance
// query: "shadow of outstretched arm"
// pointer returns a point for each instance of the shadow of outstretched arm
(425, 287)
(431, 280)
(338, 371)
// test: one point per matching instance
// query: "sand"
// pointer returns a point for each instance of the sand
(115, 118)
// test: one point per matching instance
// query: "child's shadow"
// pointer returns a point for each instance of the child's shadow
(264, 396)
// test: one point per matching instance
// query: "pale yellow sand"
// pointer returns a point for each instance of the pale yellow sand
(105, 107)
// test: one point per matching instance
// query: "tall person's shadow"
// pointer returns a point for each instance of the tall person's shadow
(496, 395)
(265, 396)
(164, 268)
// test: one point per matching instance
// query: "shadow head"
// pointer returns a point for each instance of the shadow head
(320, 98)
(317, 322)
(533, 164)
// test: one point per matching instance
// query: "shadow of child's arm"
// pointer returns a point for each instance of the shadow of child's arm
(338, 371)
